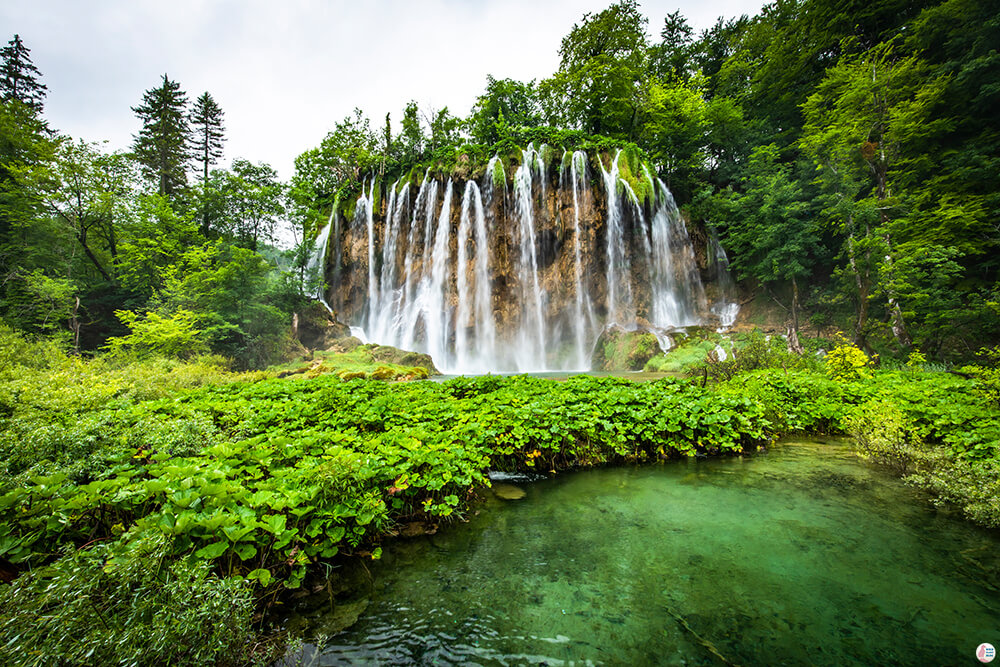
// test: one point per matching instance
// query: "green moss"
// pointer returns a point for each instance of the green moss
(376, 362)
(499, 175)
(687, 355)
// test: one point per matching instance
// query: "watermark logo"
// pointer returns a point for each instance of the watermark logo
(986, 652)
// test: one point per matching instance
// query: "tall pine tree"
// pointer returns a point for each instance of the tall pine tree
(162, 146)
(206, 148)
(207, 127)
(19, 77)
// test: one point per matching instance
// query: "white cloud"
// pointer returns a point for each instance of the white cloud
(285, 72)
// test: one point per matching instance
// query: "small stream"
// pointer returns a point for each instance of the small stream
(802, 555)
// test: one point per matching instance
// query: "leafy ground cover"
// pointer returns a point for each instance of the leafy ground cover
(118, 500)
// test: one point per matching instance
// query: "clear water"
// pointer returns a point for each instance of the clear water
(800, 556)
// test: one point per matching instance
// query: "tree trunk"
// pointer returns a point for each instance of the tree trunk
(793, 332)
(863, 284)
(879, 170)
(74, 326)
(81, 236)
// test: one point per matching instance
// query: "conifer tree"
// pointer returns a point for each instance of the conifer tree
(162, 146)
(208, 131)
(19, 77)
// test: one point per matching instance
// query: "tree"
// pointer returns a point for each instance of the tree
(208, 132)
(603, 65)
(254, 199)
(444, 129)
(862, 124)
(672, 124)
(207, 140)
(162, 145)
(19, 77)
(412, 138)
(671, 58)
(515, 102)
(90, 192)
(242, 305)
(320, 173)
(714, 47)
(769, 230)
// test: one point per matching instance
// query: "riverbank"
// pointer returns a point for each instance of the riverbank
(215, 502)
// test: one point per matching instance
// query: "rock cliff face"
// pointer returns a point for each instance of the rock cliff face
(521, 267)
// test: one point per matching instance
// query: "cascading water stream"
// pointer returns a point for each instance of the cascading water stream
(726, 306)
(530, 352)
(434, 288)
(619, 284)
(473, 304)
(411, 308)
(317, 259)
(583, 314)
(365, 208)
(384, 322)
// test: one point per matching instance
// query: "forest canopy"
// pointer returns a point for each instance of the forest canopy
(845, 154)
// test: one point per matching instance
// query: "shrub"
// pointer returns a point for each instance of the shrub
(847, 363)
(97, 607)
(156, 335)
(883, 434)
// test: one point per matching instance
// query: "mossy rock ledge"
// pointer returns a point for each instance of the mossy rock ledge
(618, 349)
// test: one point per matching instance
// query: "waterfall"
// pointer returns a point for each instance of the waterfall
(474, 304)
(364, 209)
(530, 350)
(726, 306)
(519, 278)
(383, 321)
(434, 287)
(583, 312)
(317, 260)
(414, 267)
(619, 283)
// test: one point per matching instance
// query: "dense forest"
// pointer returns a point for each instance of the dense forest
(178, 459)
(846, 155)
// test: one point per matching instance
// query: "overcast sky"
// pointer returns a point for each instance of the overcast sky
(284, 71)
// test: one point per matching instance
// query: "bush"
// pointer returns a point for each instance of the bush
(974, 486)
(883, 434)
(847, 363)
(97, 607)
(156, 335)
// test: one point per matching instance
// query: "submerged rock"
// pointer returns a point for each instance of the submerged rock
(417, 528)
(508, 492)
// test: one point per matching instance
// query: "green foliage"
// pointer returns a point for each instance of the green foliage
(881, 434)
(347, 151)
(505, 103)
(19, 76)
(686, 356)
(987, 375)
(208, 132)
(847, 363)
(161, 146)
(602, 60)
(754, 351)
(255, 201)
(973, 486)
(129, 607)
(156, 336)
(794, 401)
